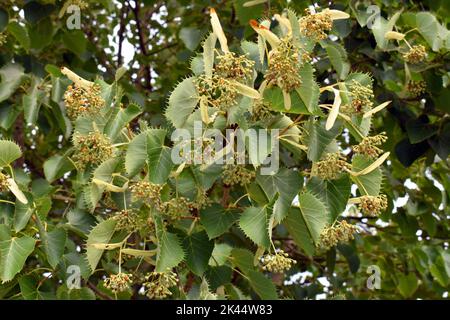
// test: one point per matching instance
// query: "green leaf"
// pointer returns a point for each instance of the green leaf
(137, 151)
(431, 30)
(12, 76)
(56, 166)
(75, 41)
(20, 33)
(208, 54)
(420, 129)
(41, 34)
(274, 96)
(407, 285)
(333, 193)
(314, 213)
(122, 118)
(9, 152)
(29, 289)
(243, 259)
(255, 224)
(22, 215)
(54, 243)
(381, 26)
(101, 233)
(318, 138)
(287, 184)
(220, 254)
(217, 220)
(295, 224)
(245, 14)
(120, 73)
(149, 147)
(191, 37)
(338, 58)
(198, 250)
(263, 286)
(309, 90)
(14, 252)
(32, 101)
(63, 293)
(170, 251)
(160, 164)
(218, 276)
(8, 115)
(351, 256)
(368, 184)
(182, 102)
(4, 19)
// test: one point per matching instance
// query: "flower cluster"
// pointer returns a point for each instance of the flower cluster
(148, 192)
(231, 66)
(278, 262)
(83, 101)
(128, 220)
(237, 174)
(369, 145)
(93, 148)
(260, 111)
(284, 66)
(330, 167)
(416, 54)
(416, 88)
(159, 283)
(220, 89)
(177, 207)
(118, 282)
(315, 25)
(4, 185)
(372, 206)
(220, 92)
(82, 4)
(202, 200)
(332, 235)
(3, 38)
(361, 98)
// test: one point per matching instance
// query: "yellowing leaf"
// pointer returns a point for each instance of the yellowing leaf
(218, 31)
(332, 116)
(14, 188)
(393, 35)
(376, 109)
(373, 166)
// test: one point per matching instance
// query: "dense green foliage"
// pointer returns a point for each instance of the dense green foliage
(87, 179)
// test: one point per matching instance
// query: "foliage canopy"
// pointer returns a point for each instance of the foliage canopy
(88, 185)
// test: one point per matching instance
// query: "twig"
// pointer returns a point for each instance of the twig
(98, 292)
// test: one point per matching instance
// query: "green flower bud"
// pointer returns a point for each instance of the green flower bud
(373, 206)
(231, 66)
(237, 175)
(118, 282)
(81, 101)
(4, 185)
(278, 262)
(368, 146)
(93, 148)
(416, 54)
(315, 25)
(416, 88)
(331, 167)
(332, 235)
(284, 66)
(157, 284)
(361, 98)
